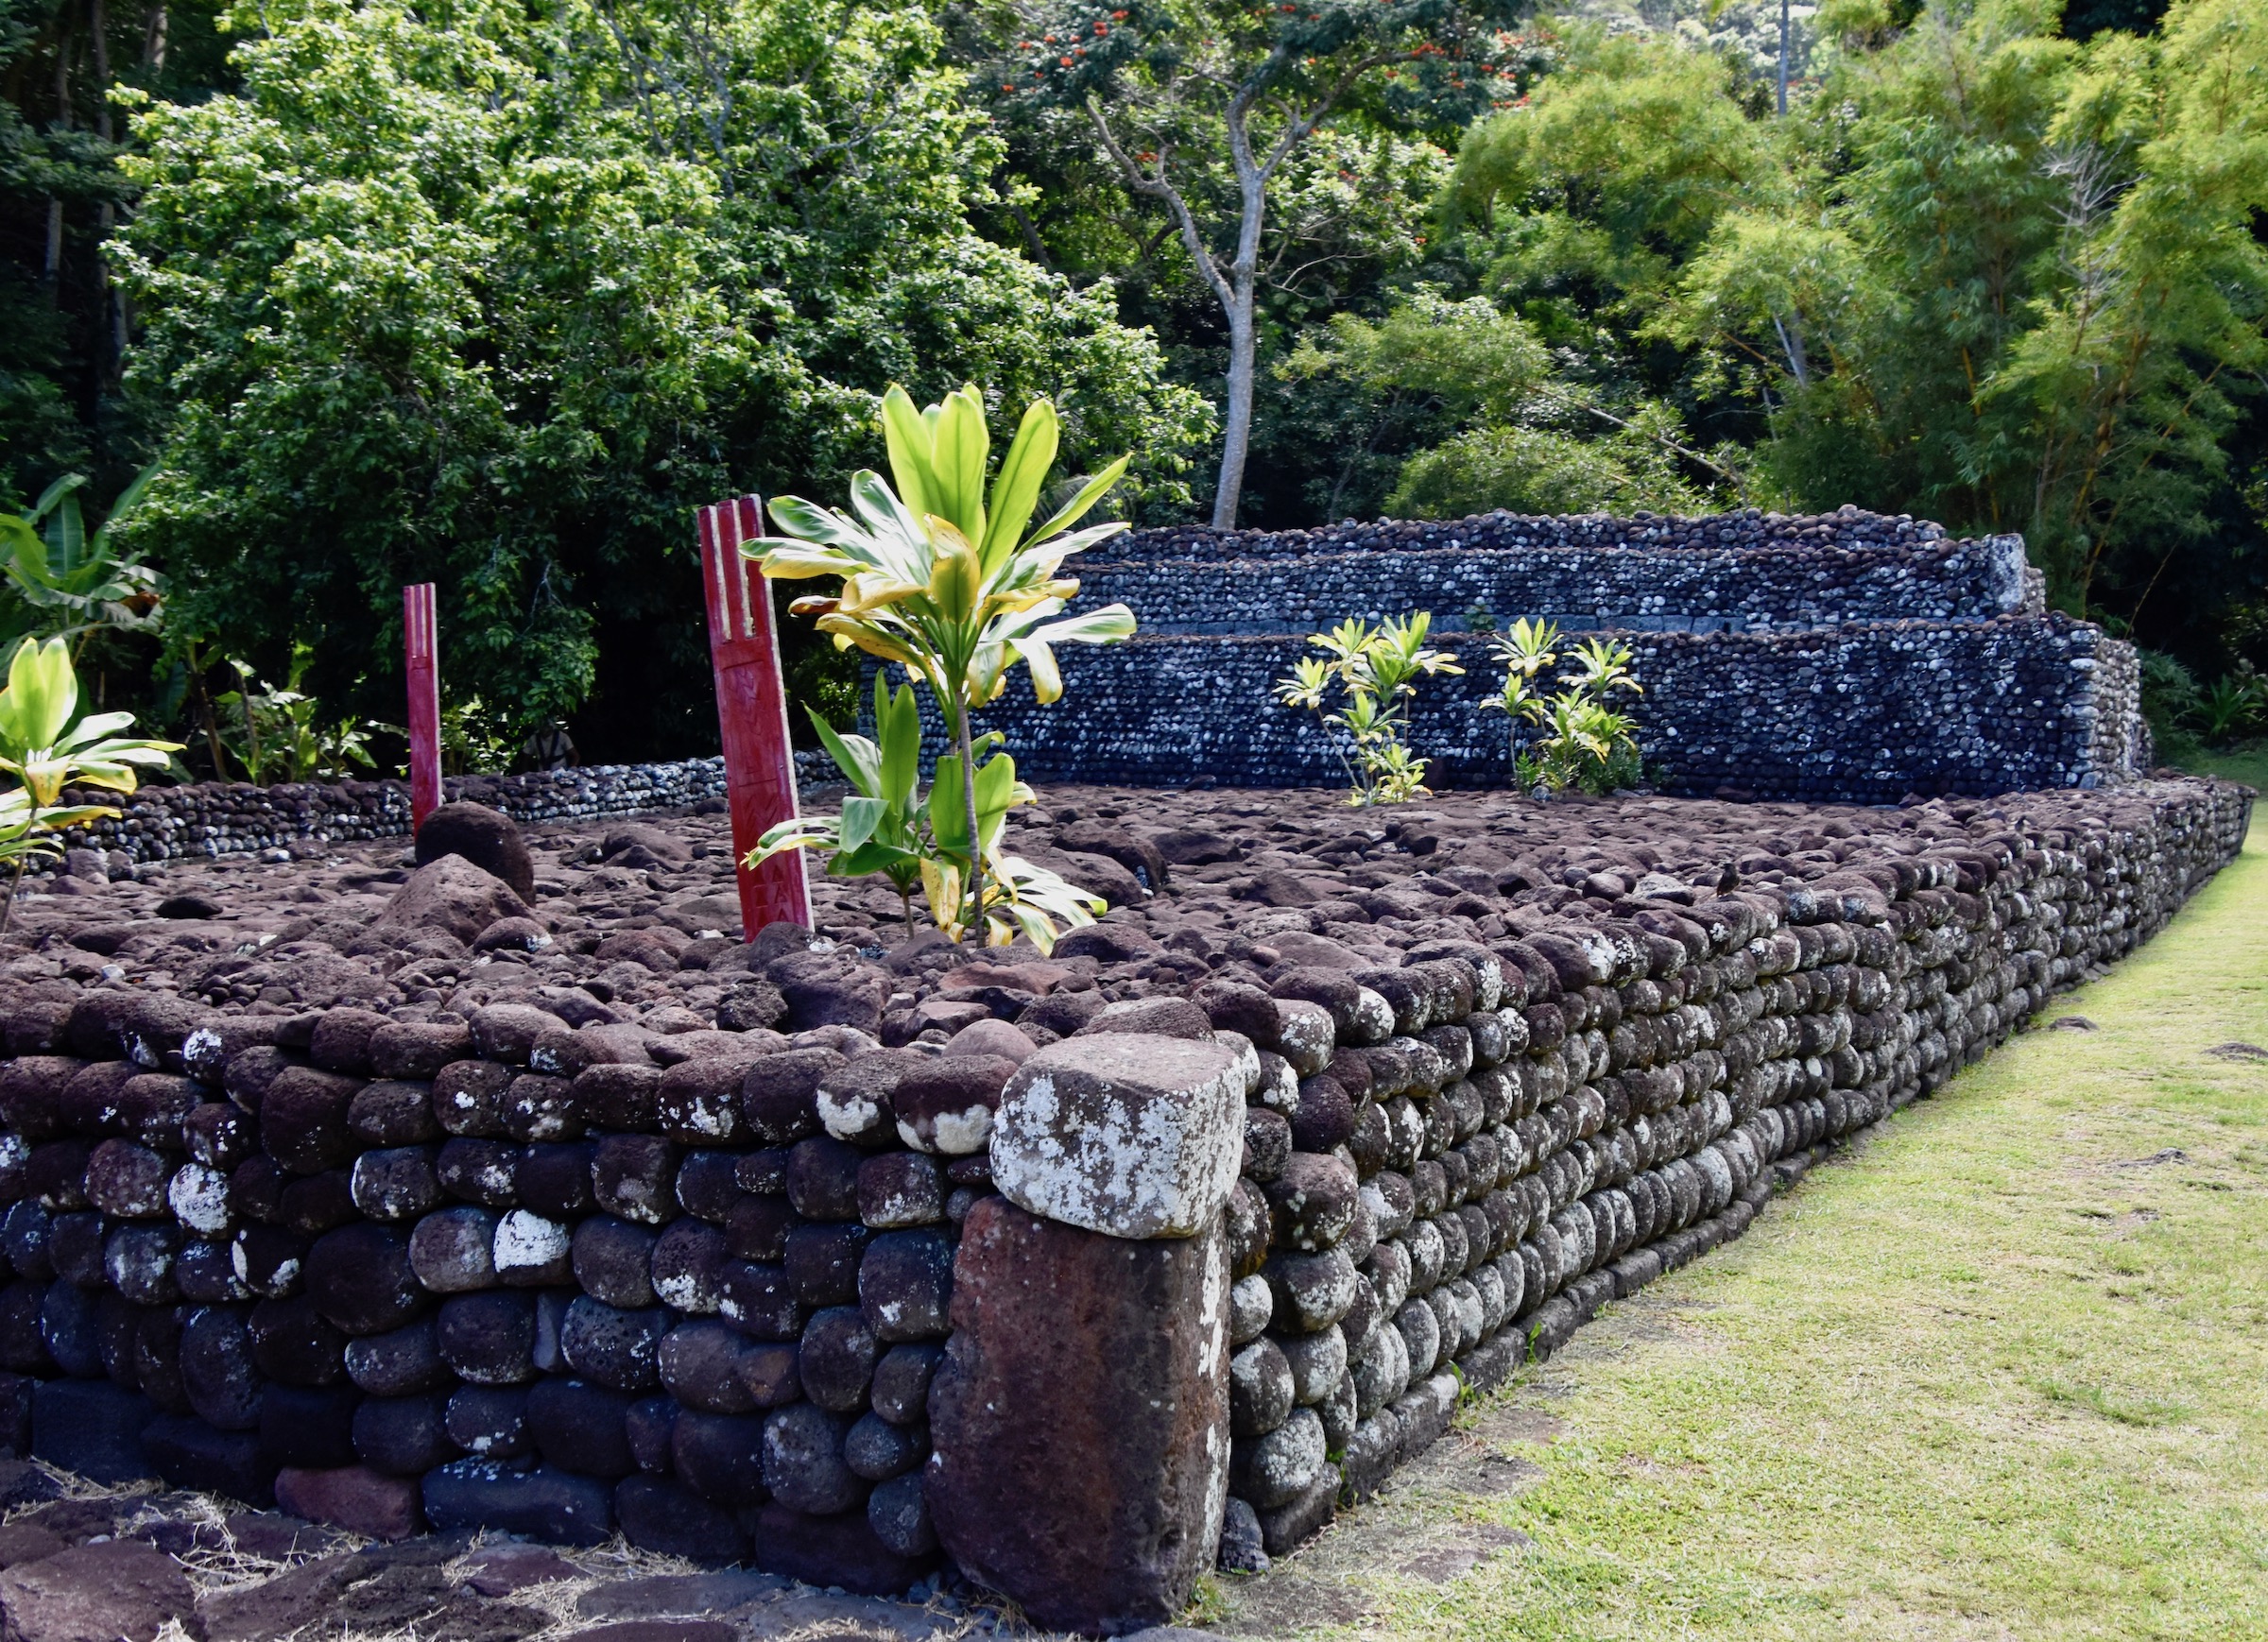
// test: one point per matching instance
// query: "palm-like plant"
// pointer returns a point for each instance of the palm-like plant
(45, 751)
(1377, 669)
(951, 580)
(1526, 648)
(72, 579)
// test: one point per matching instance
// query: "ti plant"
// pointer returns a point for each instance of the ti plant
(1588, 744)
(954, 582)
(887, 826)
(1375, 671)
(45, 751)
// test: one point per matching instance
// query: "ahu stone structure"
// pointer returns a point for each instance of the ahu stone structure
(1082, 1272)
(1845, 657)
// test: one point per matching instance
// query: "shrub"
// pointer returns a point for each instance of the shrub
(1375, 672)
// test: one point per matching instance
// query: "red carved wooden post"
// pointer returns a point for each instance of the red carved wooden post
(419, 658)
(752, 711)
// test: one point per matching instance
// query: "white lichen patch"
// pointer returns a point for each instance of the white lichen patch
(526, 1242)
(198, 1197)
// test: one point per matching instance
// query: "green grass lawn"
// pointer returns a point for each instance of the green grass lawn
(2001, 1373)
(2248, 763)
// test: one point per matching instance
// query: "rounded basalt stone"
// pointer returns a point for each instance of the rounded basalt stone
(879, 1450)
(580, 1426)
(1277, 1469)
(899, 1190)
(1317, 1361)
(72, 1330)
(507, 1033)
(89, 1104)
(1268, 1144)
(219, 1135)
(531, 1252)
(1456, 1247)
(490, 1338)
(803, 1463)
(1325, 1115)
(153, 1106)
(720, 1457)
(483, 1173)
(757, 1298)
(452, 1251)
(127, 1181)
(304, 1119)
(396, 1183)
(1312, 1201)
(688, 1267)
(23, 1343)
(539, 1107)
(822, 1178)
(468, 1098)
(488, 1422)
(699, 1102)
(618, 1097)
(55, 1175)
(708, 1184)
(1251, 1303)
(634, 1176)
(905, 1284)
(30, 1093)
(137, 1260)
(1420, 1331)
(898, 1510)
(315, 1204)
(822, 1261)
(947, 1105)
(613, 1262)
(404, 1436)
(361, 1279)
(856, 1101)
(295, 1344)
(614, 1346)
(1381, 1371)
(758, 1228)
(652, 1427)
(308, 1426)
(1310, 1292)
(219, 1374)
(836, 1358)
(715, 1367)
(553, 1177)
(267, 1260)
(1428, 1256)
(1250, 1226)
(402, 1363)
(75, 1245)
(900, 1393)
(779, 1093)
(486, 838)
(417, 1049)
(1259, 1388)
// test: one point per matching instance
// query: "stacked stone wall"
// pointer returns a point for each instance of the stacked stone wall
(504, 1271)
(1868, 712)
(222, 818)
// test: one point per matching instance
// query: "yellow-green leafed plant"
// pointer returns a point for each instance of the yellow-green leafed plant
(45, 751)
(1376, 669)
(1587, 743)
(948, 577)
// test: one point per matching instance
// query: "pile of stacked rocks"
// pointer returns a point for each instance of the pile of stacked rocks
(222, 818)
(1845, 657)
(795, 1282)
(1748, 572)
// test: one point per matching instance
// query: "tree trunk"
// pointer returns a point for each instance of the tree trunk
(1237, 432)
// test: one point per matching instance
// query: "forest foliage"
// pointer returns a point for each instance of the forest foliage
(494, 294)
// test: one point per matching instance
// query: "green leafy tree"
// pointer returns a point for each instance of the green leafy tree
(1202, 108)
(495, 299)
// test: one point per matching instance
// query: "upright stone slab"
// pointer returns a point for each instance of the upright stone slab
(1081, 1418)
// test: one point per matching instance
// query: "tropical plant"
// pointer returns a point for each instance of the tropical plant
(280, 734)
(2231, 705)
(69, 580)
(1375, 671)
(45, 751)
(951, 581)
(1525, 648)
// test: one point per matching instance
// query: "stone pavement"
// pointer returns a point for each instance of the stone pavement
(83, 1565)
